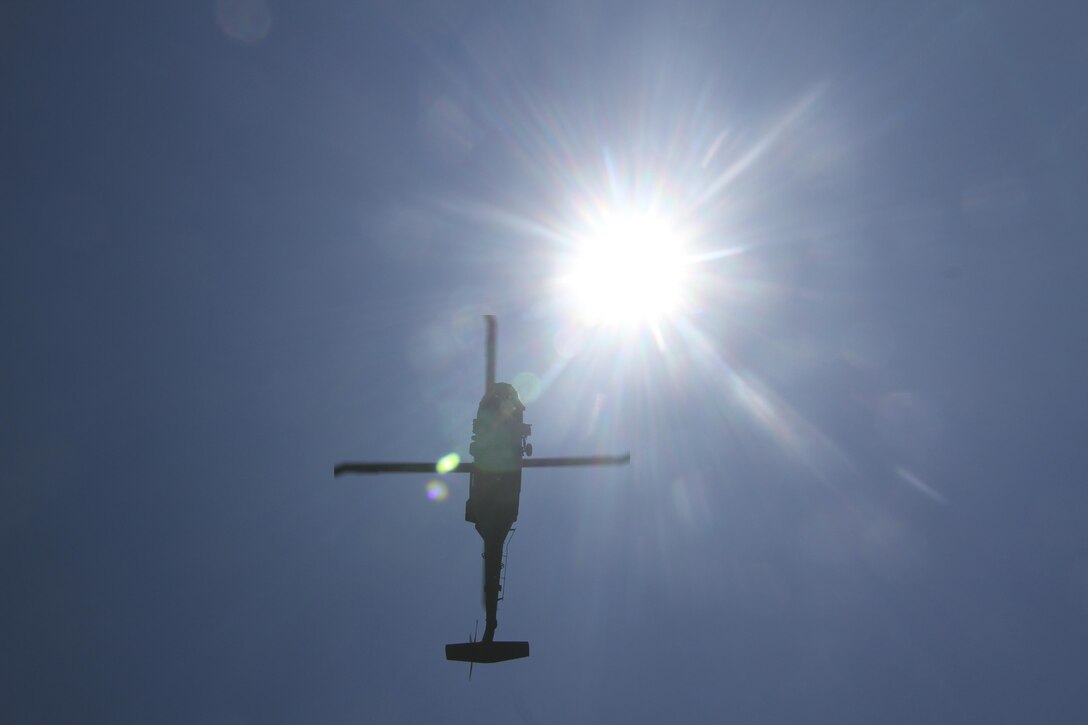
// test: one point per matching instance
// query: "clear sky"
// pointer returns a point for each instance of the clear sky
(244, 240)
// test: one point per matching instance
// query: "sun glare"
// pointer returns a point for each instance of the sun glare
(628, 269)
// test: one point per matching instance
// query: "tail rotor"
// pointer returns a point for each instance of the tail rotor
(472, 640)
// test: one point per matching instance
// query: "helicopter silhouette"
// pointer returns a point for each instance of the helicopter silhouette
(499, 450)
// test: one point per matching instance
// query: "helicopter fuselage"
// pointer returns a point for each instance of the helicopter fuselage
(499, 436)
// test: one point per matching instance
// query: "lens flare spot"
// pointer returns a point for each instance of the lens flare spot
(437, 491)
(527, 385)
(447, 463)
(247, 21)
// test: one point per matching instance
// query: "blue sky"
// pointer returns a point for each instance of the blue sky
(245, 240)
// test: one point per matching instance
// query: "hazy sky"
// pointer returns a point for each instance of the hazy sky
(244, 240)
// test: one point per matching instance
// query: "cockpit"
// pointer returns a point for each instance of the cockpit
(499, 435)
(502, 399)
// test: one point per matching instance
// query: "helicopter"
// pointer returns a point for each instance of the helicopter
(499, 450)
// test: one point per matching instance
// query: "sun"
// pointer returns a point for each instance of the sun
(627, 269)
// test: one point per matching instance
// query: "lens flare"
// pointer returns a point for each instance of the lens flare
(447, 463)
(528, 386)
(628, 269)
(247, 21)
(437, 491)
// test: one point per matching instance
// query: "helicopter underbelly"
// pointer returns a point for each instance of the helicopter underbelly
(493, 500)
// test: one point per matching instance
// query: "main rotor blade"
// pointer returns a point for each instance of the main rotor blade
(576, 461)
(397, 468)
(466, 467)
(490, 373)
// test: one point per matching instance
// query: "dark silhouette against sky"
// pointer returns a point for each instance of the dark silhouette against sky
(244, 240)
